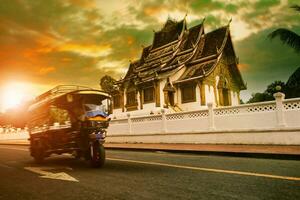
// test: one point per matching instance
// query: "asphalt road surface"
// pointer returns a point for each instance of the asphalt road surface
(146, 175)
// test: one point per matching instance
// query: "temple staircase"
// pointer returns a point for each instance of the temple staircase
(175, 108)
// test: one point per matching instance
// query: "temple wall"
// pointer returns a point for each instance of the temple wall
(274, 122)
(234, 98)
(191, 105)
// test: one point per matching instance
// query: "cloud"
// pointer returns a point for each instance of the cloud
(46, 70)
(264, 61)
(89, 50)
(78, 41)
(118, 66)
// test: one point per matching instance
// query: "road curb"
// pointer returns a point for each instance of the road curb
(216, 153)
(198, 152)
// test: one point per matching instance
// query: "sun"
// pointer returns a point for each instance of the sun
(12, 95)
(11, 99)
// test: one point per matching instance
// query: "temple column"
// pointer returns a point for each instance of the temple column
(229, 98)
(216, 95)
(157, 93)
(166, 99)
(202, 93)
(221, 99)
(141, 98)
(122, 100)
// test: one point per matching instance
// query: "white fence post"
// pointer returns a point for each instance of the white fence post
(129, 123)
(211, 118)
(163, 121)
(279, 97)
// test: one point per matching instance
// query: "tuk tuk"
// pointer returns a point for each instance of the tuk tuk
(70, 119)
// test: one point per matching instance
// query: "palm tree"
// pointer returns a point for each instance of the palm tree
(286, 36)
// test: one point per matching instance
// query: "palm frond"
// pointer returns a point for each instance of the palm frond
(287, 37)
(296, 7)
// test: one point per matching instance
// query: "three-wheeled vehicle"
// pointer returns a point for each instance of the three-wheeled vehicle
(70, 119)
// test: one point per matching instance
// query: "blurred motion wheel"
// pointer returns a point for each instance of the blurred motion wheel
(38, 152)
(38, 155)
(97, 155)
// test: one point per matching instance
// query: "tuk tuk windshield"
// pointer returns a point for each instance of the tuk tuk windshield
(93, 105)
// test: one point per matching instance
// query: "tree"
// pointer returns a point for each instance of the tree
(267, 95)
(259, 97)
(286, 36)
(293, 85)
(107, 83)
(276, 86)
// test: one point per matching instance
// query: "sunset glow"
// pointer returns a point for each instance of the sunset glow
(13, 94)
(78, 42)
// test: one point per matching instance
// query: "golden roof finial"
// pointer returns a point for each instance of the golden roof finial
(230, 20)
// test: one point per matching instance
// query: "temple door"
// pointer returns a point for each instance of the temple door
(225, 97)
(171, 98)
(224, 92)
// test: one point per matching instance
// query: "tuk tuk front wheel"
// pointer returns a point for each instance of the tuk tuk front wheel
(97, 155)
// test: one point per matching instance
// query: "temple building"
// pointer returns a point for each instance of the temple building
(182, 70)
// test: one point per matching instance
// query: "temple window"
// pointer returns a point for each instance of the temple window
(117, 101)
(148, 95)
(188, 93)
(131, 98)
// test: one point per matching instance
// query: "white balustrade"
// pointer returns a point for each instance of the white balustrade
(278, 115)
(264, 115)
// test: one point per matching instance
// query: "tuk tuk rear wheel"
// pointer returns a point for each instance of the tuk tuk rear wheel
(38, 152)
(38, 155)
(98, 155)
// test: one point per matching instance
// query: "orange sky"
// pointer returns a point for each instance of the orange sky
(79, 41)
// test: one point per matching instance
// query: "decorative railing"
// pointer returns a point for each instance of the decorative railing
(292, 104)
(187, 115)
(246, 108)
(119, 121)
(263, 115)
(147, 118)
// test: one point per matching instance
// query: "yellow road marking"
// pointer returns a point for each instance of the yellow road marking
(209, 169)
(196, 168)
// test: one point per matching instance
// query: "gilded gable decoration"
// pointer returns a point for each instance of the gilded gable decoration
(178, 70)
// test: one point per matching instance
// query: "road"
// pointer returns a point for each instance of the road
(147, 175)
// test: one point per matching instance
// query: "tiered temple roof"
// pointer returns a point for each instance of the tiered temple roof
(176, 46)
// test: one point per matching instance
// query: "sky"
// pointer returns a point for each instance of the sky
(44, 43)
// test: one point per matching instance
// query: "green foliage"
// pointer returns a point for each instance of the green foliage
(286, 36)
(107, 84)
(276, 86)
(267, 95)
(259, 97)
(293, 85)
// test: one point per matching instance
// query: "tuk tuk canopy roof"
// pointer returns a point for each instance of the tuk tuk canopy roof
(52, 96)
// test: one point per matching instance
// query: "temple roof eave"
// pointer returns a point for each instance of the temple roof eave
(189, 79)
(159, 62)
